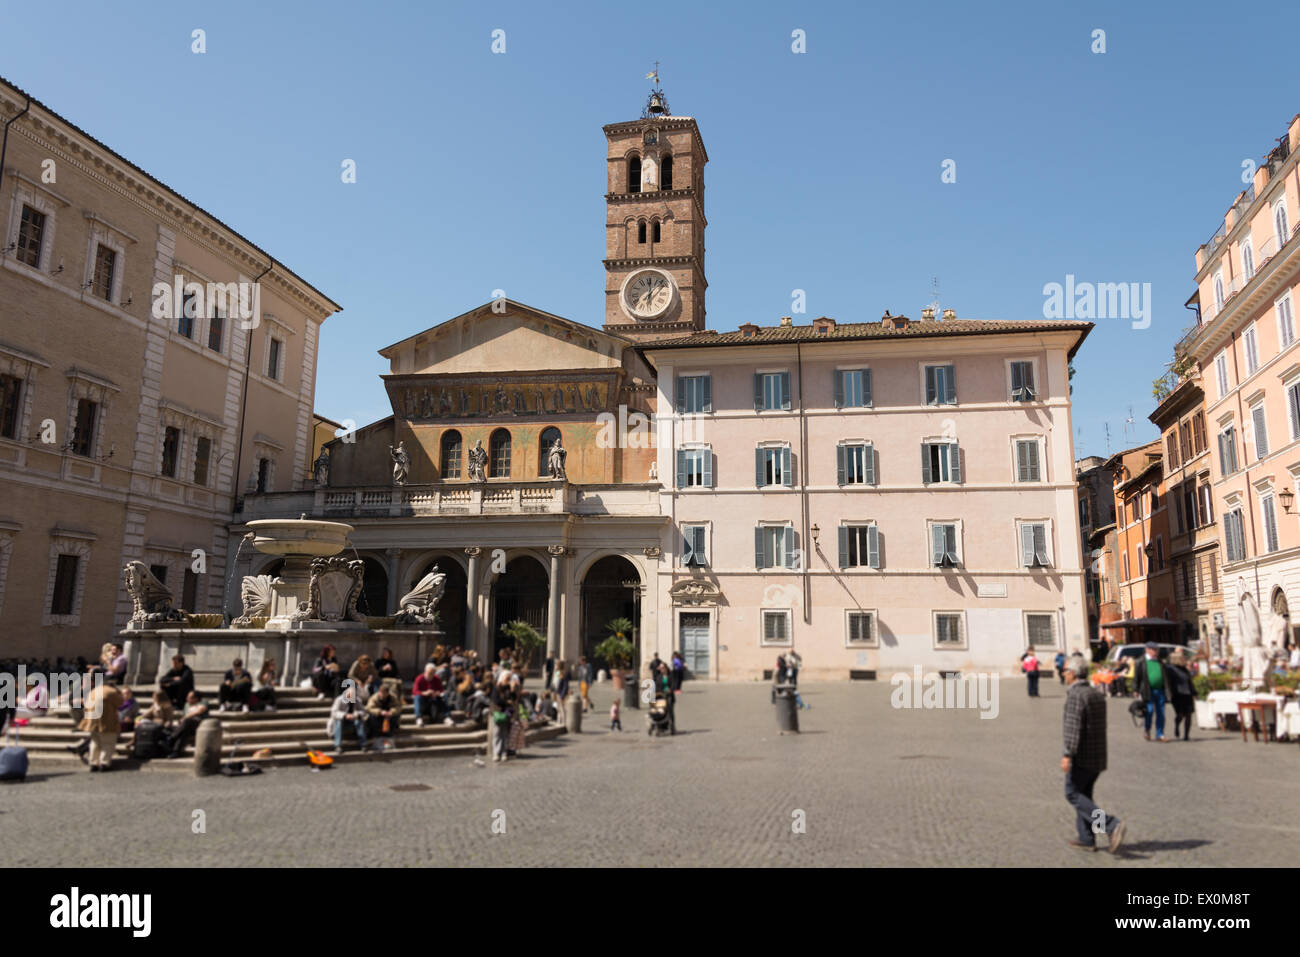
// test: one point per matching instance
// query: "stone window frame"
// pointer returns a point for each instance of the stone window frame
(67, 542)
(1056, 629)
(1047, 544)
(963, 644)
(24, 366)
(192, 427)
(871, 642)
(28, 192)
(1040, 440)
(104, 233)
(958, 525)
(8, 531)
(86, 385)
(708, 543)
(265, 447)
(762, 627)
(275, 329)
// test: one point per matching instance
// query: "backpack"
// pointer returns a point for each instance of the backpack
(149, 742)
(13, 764)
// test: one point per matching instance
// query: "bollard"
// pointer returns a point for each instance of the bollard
(207, 747)
(573, 713)
(787, 715)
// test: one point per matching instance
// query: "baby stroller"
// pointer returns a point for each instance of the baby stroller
(659, 719)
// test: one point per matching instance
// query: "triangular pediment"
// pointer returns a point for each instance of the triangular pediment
(504, 336)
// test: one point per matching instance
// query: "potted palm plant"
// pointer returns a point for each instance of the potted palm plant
(526, 640)
(617, 649)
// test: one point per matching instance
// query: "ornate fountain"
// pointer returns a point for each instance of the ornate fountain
(315, 590)
(312, 602)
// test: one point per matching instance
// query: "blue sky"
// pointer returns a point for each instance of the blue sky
(478, 171)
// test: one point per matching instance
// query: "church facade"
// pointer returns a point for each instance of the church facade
(733, 494)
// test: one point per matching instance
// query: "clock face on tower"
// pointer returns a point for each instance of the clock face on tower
(648, 294)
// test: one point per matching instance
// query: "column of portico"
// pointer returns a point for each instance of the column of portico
(394, 579)
(471, 602)
(553, 623)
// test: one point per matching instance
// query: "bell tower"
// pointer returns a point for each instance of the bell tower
(654, 225)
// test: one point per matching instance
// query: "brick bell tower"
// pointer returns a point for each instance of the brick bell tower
(654, 225)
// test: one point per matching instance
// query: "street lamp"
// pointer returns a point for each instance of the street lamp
(1286, 497)
(817, 531)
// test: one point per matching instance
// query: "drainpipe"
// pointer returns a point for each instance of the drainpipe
(4, 144)
(243, 399)
(803, 493)
(1250, 505)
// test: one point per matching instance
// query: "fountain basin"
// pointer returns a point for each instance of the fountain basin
(299, 536)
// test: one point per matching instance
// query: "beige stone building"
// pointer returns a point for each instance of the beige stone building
(154, 365)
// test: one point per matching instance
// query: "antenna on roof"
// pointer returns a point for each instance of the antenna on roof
(1129, 426)
(1107, 440)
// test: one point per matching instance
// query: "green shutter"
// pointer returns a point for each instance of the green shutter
(950, 385)
(844, 546)
(701, 544)
(706, 468)
(1017, 381)
(873, 546)
(758, 547)
(707, 400)
(785, 390)
(787, 468)
(839, 388)
(680, 395)
(1027, 545)
(936, 545)
(925, 464)
(840, 453)
(681, 468)
(688, 546)
(866, 387)
(931, 393)
(760, 477)
(869, 464)
(954, 462)
(758, 392)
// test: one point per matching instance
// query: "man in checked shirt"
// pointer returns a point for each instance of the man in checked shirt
(1085, 757)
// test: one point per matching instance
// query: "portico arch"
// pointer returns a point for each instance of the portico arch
(518, 593)
(451, 607)
(611, 588)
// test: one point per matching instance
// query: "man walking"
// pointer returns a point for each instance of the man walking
(1152, 687)
(1084, 757)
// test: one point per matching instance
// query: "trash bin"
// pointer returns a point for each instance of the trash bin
(632, 693)
(787, 713)
(573, 713)
(207, 747)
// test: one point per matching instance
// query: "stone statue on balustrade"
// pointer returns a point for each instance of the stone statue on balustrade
(477, 460)
(417, 605)
(151, 600)
(556, 459)
(401, 463)
(321, 468)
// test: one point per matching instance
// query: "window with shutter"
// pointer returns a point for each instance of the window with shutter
(1228, 450)
(1293, 408)
(1270, 523)
(947, 628)
(940, 385)
(1027, 460)
(1261, 434)
(943, 545)
(940, 462)
(1022, 382)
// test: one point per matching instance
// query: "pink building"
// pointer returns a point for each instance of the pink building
(1245, 344)
(875, 495)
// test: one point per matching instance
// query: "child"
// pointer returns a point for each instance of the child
(614, 721)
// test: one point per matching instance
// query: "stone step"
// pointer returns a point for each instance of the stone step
(295, 756)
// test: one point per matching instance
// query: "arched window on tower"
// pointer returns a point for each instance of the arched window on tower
(666, 172)
(634, 174)
(550, 436)
(499, 454)
(451, 448)
(656, 231)
(640, 231)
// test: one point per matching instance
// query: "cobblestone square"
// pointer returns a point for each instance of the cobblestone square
(878, 787)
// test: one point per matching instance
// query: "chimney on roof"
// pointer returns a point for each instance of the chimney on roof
(927, 314)
(787, 321)
(950, 313)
